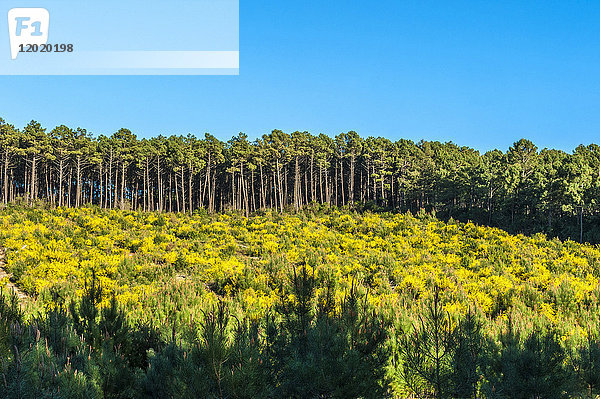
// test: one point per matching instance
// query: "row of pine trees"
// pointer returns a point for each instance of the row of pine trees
(521, 190)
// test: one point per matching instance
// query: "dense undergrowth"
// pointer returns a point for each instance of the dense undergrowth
(318, 304)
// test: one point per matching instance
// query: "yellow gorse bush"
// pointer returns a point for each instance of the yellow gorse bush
(151, 261)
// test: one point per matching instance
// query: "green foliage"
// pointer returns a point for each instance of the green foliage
(336, 305)
(530, 366)
(586, 364)
(321, 353)
(440, 357)
(85, 313)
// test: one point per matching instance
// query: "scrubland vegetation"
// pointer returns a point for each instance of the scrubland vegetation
(322, 303)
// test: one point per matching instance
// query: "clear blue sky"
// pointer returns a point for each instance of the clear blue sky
(478, 73)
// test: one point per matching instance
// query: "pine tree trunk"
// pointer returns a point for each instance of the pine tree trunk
(336, 184)
(271, 183)
(312, 178)
(245, 190)
(262, 189)
(351, 181)
(170, 191)
(144, 190)
(48, 198)
(60, 181)
(177, 192)
(253, 203)
(148, 205)
(101, 192)
(190, 176)
(5, 182)
(285, 185)
(109, 183)
(321, 182)
(151, 205)
(214, 192)
(135, 196)
(123, 182)
(305, 186)
(280, 187)
(342, 183)
(182, 189)
(161, 189)
(32, 180)
(207, 185)
(78, 192)
(70, 181)
(12, 187)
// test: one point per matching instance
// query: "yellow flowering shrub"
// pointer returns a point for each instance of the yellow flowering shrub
(158, 263)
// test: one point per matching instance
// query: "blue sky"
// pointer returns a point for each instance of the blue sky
(478, 73)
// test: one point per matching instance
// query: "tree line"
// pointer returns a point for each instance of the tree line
(523, 189)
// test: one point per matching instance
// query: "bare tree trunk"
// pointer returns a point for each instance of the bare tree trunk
(78, 192)
(285, 184)
(12, 187)
(48, 198)
(61, 173)
(101, 199)
(321, 182)
(336, 184)
(161, 196)
(342, 182)
(351, 182)
(5, 182)
(277, 190)
(123, 182)
(32, 180)
(190, 177)
(135, 196)
(148, 201)
(280, 189)
(170, 191)
(296, 184)
(182, 190)
(149, 191)
(262, 189)
(271, 189)
(70, 183)
(312, 178)
(176, 192)
(145, 189)
(109, 183)
(207, 185)
(244, 190)
(252, 187)
(305, 186)
(214, 192)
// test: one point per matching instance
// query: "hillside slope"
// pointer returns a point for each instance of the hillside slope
(139, 255)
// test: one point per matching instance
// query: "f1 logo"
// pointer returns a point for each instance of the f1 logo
(27, 26)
